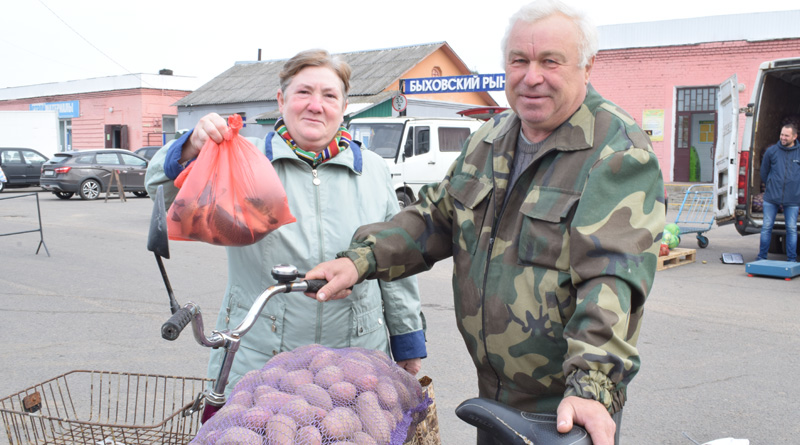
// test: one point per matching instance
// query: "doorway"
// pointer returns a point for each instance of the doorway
(696, 121)
(116, 136)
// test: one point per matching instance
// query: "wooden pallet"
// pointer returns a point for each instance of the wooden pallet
(677, 257)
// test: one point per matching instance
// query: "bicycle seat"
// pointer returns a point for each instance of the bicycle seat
(512, 426)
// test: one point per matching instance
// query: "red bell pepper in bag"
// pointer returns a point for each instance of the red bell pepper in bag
(229, 196)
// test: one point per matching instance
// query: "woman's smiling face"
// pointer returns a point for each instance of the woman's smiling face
(313, 107)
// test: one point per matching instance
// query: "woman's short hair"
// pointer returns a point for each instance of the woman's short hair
(541, 9)
(315, 57)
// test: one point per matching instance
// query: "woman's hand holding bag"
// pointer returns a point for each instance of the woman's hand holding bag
(229, 196)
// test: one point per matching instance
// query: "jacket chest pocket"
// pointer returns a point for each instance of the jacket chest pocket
(544, 236)
(470, 206)
(266, 335)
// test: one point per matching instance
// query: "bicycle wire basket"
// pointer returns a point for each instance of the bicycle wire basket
(104, 408)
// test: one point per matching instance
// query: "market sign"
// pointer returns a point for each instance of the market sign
(66, 110)
(455, 84)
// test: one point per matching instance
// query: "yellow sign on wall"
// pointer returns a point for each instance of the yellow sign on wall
(653, 124)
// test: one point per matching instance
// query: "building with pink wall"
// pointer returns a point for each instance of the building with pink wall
(129, 111)
(667, 81)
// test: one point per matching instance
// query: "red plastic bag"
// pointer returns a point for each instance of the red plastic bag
(229, 196)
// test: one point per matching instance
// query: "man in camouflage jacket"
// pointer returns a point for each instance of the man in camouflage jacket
(550, 277)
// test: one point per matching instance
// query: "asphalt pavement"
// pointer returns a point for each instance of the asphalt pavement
(717, 346)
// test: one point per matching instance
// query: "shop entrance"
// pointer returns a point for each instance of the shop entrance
(695, 132)
(116, 136)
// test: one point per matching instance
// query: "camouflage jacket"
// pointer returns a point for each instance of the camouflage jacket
(550, 278)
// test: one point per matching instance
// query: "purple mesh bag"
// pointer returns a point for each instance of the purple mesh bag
(319, 395)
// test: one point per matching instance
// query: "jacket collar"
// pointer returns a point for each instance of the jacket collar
(577, 133)
(277, 150)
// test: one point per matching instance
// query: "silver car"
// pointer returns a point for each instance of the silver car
(88, 173)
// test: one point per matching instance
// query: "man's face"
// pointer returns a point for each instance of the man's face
(787, 137)
(544, 83)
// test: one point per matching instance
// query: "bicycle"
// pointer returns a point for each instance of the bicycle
(509, 425)
(206, 396)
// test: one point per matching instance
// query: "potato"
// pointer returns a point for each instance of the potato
(239, 436)
(391, 420)
(293, 379)
(308, 435)
(372, 417)
(365, 382)
(241, 397)
(323, 358)
(315, 395)
(387, 394)
(343, 393)
(283, 358)
(261, 390)
(251, 378)
(403, 396)
(397, 413)
(299, 410)
(274, 401)
(362, 438)
(209, 438)
(328, 375)
(256, 417)
(341, 423)
(305, 354)
(228, 412)
(272, 376)
(354, 368)
(280, 430)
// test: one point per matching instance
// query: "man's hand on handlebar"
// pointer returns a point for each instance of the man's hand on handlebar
(591, 414)
(341, 274)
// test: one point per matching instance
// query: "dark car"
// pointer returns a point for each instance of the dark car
(88, 173)
(148, 152)
(22, 166)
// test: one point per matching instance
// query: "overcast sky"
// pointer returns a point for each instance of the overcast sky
(43, 41)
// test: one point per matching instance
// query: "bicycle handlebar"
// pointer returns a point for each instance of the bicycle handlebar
(174, 326)
(172, 329)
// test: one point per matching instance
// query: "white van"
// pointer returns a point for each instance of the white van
(418, 151)
(775, 101)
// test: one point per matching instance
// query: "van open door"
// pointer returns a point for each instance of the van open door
(726, 174)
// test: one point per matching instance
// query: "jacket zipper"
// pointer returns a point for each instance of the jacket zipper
(495, 229)
(492, 237)
(316, 182)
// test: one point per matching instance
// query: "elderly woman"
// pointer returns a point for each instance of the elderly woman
(333, 187)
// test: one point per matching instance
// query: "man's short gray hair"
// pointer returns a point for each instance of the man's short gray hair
(541, 9)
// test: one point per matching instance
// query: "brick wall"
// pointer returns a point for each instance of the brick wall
(638, 79)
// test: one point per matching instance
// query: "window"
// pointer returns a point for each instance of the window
(85, 159)
(107, 158)
(32, 157)
(132, 160)
(11, 157)
(452, 138)
(683, 131)
(423, 141)
(697, 99)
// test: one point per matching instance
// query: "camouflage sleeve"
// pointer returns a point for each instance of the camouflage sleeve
(614, 240)
(411, 242)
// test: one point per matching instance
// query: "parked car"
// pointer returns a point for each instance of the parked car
(148, 152)
(88, 173)
(22, 166)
